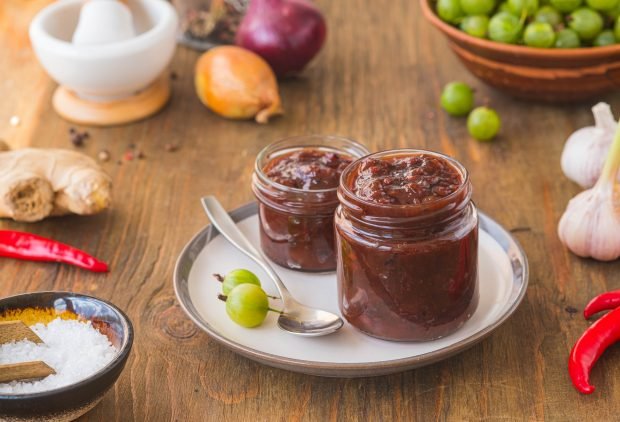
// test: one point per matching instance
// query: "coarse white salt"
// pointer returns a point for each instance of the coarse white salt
(75, 349)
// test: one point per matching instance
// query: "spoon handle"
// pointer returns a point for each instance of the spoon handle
(227, 228)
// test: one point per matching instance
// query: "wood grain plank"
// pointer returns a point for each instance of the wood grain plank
(377, 80)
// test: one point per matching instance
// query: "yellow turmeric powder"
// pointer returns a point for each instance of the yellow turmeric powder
(31, 316)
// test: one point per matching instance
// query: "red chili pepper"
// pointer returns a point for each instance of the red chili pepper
(20, 245)
(602, 302)
(598, 337)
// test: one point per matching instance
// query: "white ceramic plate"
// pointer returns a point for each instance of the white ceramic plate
(503, 276)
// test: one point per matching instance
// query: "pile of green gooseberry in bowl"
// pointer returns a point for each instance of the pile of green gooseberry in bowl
(554, 24)
(543, 50)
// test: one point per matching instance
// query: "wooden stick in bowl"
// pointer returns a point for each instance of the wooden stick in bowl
(17, 331)
(25, 371)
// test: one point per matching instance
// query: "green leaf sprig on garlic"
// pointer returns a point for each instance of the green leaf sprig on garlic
(585, 150)
(590, 226)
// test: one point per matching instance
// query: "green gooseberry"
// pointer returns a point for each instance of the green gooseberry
(504, 7)
(567, 38)
(606, 37)
(566, 6)
(247, 305)
(457, 98)
(477, 7)
(520, 7)
(450, 10)
(483, 123)
(602, 5)
(617, 28)
(505, 28)
(234, 278)
(476, 26)
(548, 14)
(615, 12)
(539, 34)
(586, 23)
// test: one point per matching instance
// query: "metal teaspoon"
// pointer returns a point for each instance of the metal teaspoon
(296, 318)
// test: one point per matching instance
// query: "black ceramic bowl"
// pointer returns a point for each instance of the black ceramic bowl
(70, 402)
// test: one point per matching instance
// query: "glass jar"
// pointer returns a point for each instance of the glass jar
(208, 23)
(407, 272)
(297, 224)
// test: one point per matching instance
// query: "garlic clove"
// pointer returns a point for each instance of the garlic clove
(590, 226)
(584, 155)
(585, 150)
(604, 118)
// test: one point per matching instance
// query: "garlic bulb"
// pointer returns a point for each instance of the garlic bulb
(590, 226)
(585, 150)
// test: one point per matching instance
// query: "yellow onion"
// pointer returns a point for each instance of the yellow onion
(238, 84)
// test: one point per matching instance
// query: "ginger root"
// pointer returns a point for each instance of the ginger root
(37, 183)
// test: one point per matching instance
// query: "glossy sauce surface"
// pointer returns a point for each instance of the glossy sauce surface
(408, 180)
(307, 169)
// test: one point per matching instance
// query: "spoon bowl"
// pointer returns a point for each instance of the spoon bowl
(296, 318)
(301, 320)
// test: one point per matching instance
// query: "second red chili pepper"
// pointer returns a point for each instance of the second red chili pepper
(20, 245)
(602, 302)
(590, 346)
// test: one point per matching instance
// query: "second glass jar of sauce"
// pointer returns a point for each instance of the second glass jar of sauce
(407, 236)
(295, 181)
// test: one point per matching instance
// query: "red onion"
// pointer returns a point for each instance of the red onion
(286, 33)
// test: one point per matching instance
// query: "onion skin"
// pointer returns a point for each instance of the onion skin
(237, 84)
(286, 33)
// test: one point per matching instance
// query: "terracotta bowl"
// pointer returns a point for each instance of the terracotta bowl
(543, 74)
(70, 402)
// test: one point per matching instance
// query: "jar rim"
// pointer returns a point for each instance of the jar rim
(404, 151)
(357, 151)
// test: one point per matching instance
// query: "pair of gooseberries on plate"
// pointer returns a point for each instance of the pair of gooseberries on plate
(247, 304)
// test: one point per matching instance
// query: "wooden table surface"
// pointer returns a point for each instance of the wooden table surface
(377, 80)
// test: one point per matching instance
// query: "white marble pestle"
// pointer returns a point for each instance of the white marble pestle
(103, 22)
